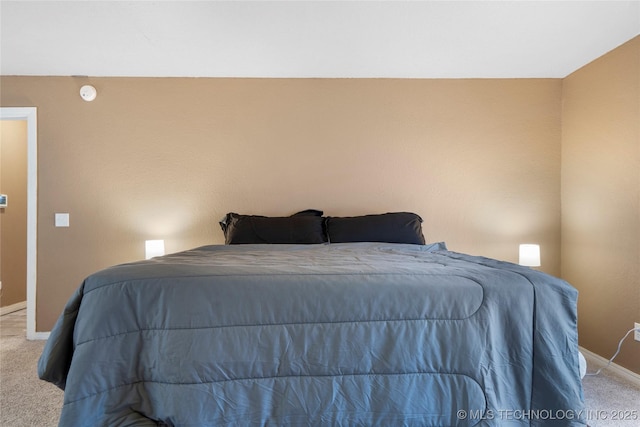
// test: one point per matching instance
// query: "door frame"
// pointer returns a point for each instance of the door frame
(29, 114)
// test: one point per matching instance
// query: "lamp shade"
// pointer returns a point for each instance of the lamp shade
(529, 255)
(153, 248)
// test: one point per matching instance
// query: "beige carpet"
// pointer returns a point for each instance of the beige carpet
(611, 400)
(27, 401)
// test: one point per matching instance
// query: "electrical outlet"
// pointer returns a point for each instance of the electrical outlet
(636, 333)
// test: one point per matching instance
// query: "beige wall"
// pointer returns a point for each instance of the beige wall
(601, 199)
(13, 218)
(479, 160)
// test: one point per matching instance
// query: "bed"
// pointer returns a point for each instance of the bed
(331, 333)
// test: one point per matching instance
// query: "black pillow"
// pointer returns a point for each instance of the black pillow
(392, 227)
(304, 227)
(309, 212)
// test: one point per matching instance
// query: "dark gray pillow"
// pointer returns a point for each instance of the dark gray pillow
(304, 227)
(392, 227)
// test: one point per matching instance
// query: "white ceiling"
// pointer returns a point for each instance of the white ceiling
(414, 39)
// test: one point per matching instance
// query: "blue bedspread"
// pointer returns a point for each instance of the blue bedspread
(358, 334)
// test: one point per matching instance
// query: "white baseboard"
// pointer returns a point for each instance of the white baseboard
(13, 307)
(600, 361)
(37, 336)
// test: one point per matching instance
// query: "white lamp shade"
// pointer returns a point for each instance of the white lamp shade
(530, 255)
(153, 248)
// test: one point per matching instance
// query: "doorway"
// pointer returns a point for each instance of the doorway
(29, 115)
(13, 215)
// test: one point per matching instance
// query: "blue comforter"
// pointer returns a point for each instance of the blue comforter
(358, 334)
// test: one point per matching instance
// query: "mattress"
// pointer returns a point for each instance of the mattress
(354, 334)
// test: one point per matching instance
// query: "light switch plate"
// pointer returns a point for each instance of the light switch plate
(62, 220)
